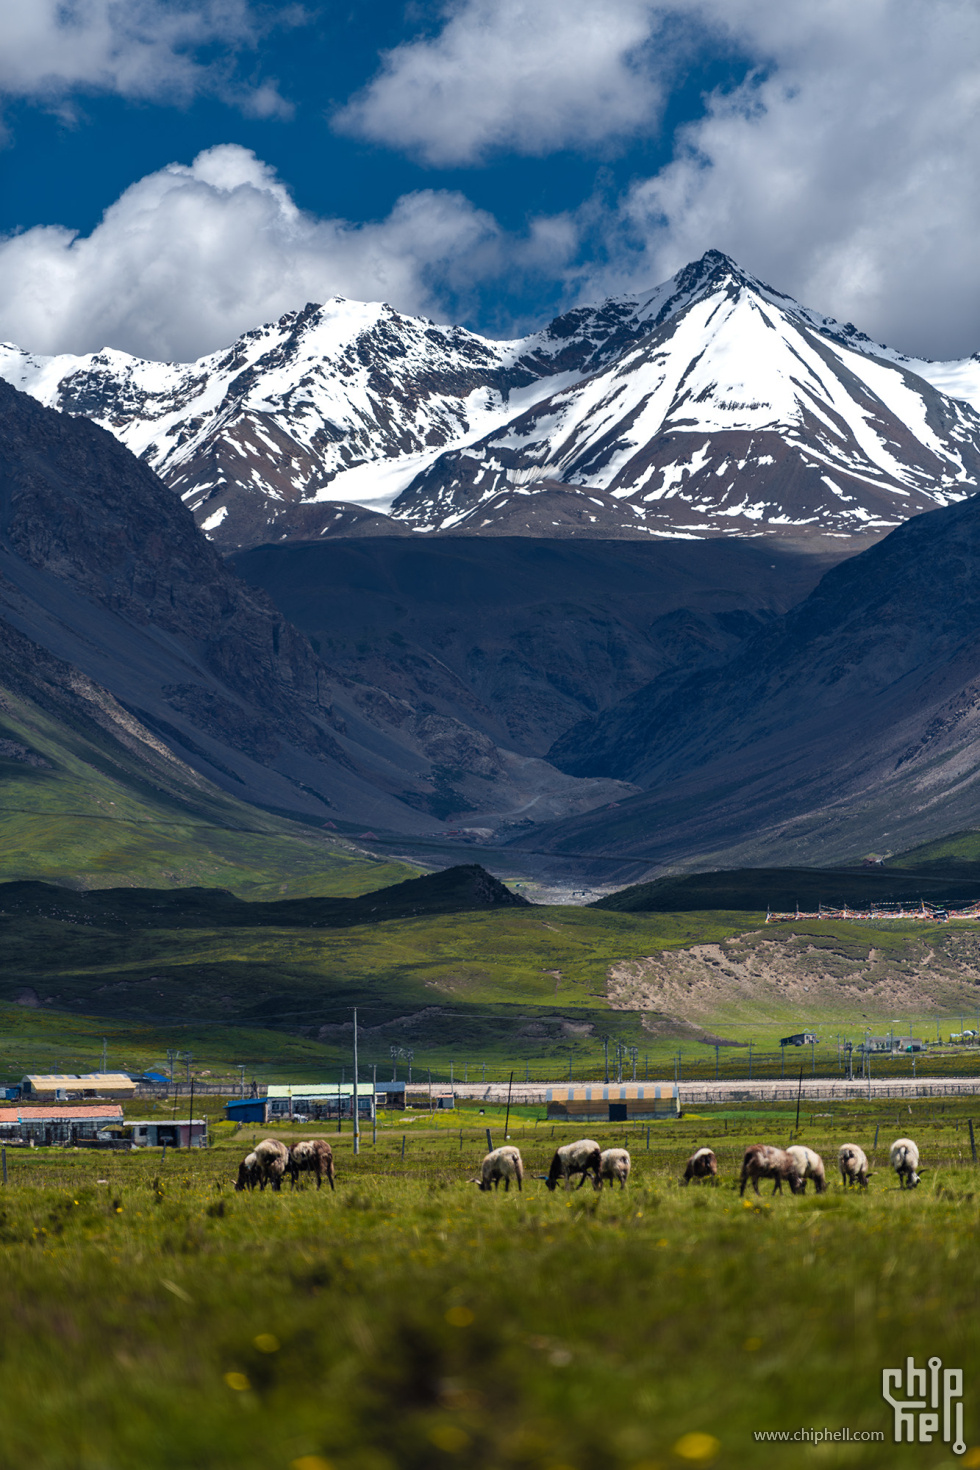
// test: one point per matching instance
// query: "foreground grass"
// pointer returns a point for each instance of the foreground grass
(158, 1319)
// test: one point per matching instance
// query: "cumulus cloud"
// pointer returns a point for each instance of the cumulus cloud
(135, 48)
(190, 256)
(526, 75)
(843, 168)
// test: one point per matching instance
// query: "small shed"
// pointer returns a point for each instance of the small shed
(247, 1110)
(41, 1087)
(800, 1038)
(392, 1094)
(59, 1125)
(153, 1133)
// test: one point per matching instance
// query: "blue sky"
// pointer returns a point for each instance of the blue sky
(174, 173)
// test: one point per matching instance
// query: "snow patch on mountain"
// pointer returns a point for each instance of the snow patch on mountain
(685, 401)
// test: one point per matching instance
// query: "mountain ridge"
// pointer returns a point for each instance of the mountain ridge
(303, 425)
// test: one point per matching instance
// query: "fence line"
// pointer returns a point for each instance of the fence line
(692, 1093)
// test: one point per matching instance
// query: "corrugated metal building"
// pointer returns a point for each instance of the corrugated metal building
(57, 1125)
(57, 1088)
(319, 1100)
(615, 1102)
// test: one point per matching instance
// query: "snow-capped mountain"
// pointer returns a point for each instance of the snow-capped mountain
(735, 413)
(712, 404)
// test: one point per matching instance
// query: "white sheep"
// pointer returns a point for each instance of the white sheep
(701, 1165)
(615, 1163)
(273, 1158)
(765, 1161)
(581, 1157)
(503, 1163)
(314, 1155)
(852, 1162)
(904, 1158)
(809, 1165)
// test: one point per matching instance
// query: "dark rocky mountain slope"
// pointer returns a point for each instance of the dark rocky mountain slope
(520, 637)
(851, 724)
(102, 567)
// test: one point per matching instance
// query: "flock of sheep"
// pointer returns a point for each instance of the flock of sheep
(271, 1161)
(798, 1164)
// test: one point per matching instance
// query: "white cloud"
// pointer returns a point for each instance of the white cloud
(845, 172)
(526, 75)
(189, 257)
(136, 48)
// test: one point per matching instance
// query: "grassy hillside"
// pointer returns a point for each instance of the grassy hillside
(781, 889)
(958, 854)
(534, 989)
(80, 806)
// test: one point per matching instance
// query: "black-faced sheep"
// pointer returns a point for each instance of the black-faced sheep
(273, 1158)
(581, 1157)
(615, 1164)
(904, 1158)
(249, 1172)
(313, 1155)
(502, 1163)
(852, 1162)
(763, 1161)
(701, 1165)
(809, 1165)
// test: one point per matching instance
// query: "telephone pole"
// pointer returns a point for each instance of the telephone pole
(357, 1121)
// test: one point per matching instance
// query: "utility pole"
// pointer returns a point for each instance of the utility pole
(103, 1054)
(241, 1067)
(357, 1120)
(374, 1105)
(605, 1053)
(394, 1064)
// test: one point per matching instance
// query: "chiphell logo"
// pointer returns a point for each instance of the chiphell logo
(932, 1401)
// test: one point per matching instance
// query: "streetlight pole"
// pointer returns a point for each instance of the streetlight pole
(357, 1120)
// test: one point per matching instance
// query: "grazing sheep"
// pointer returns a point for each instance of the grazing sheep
(904, 1158)
(314, 1155)
(503, 1163)
(273, 1158)
(701, 1165)
(808, 1166)
(615, 1163)
(249, 1172)
(853, 1165)
(582, 1157)
(763, 1161)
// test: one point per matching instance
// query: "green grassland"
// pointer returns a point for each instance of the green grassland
(958, 855)
(517, 988)
(480, 979)
(150, 1317)
(96, 815)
